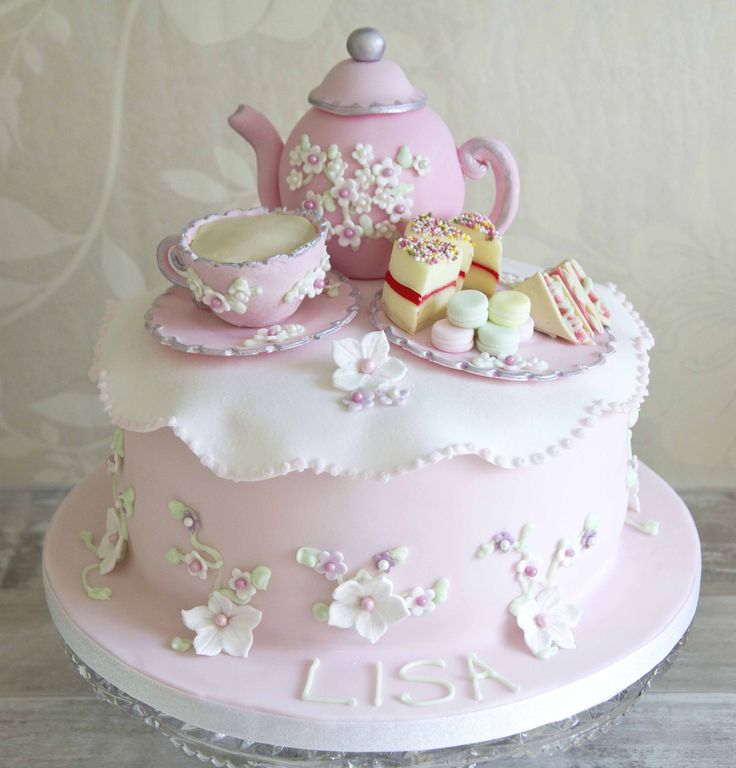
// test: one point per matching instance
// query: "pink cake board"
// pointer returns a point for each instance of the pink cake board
(638, 614)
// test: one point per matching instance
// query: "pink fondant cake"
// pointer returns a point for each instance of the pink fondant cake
(308, 531)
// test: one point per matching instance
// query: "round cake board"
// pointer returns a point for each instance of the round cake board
(639, 611)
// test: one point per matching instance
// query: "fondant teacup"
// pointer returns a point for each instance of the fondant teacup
(250, 267)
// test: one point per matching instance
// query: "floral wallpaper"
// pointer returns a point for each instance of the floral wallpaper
(113, 134)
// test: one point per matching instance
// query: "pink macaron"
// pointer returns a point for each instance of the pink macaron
(450, 338)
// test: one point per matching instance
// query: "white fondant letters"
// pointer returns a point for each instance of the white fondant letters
(479, 670)
(378, 695)
(307, 694)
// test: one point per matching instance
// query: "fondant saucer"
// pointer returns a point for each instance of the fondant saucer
(177, 322)
(632, 620)
(542, 358)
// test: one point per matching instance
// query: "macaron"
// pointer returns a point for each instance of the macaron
(497, 340)
(526, 330)
(509, 308)
(451, 338)
(468, 309)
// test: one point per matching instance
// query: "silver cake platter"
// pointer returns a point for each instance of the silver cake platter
(223, 750)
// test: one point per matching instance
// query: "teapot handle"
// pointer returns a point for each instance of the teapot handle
(475, 156)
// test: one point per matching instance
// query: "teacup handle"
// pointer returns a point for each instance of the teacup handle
(475, 156)
(171, 270)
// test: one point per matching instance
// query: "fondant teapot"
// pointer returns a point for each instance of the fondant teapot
(370, 155)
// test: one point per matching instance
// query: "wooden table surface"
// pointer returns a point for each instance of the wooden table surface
(49, 717)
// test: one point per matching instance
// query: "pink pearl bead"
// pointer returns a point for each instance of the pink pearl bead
(399, 209)
(216, 303)
(541, 621)
(195, 566)
(349, 233)
(309, 205)
(368, 604)
(114, 538)
(330, 567)
(344, 193)
(421, 601)
(387, 172)
(312, 159)
(357, 397)
(272, 332)
(366, 366)
(509, 360)
(530, 571)
(220, 619)
(569, 553)
(319, 283)
(241, 583)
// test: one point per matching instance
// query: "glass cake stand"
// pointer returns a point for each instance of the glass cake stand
(223, 750)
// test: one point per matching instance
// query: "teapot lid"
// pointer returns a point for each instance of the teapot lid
(366, 83)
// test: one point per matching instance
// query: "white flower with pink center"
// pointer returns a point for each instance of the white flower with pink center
(399, 208)
(348, 233)
(114, 544)
(386, 229)
(365, 364)
(313, 203)
(547, 623)
(196, 564)
(215, 301)
(313, 159)
(222, 626)
(529, 568)
(345, 192)
(295, 179)
(241, 583)
(566, 553)
(368, 605)
(386, 172)
(363, 153)
(420, 601)
(331, 565)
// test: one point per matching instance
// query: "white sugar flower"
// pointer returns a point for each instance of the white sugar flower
(345, 191)
(420, 601)
(295, 179)
(195, 284)
(196, 564)
(222, 626)
(365, 364)
(362, 204)
(386, 172)
(399, 208)
(335, 169)
(421, 165)
(368, 605)
(566, 552)
(363, 153)
(314, 159)
(348, 233)
(240, 582)
(364, 178)
(529, 568)
(239, 294)
(383, 197)
(386, 229)
(295, 157)
(215, 301)
(546, 623)
(114, 544)
(313, 203)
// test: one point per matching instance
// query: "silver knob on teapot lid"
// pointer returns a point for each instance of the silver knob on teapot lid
(366, 44)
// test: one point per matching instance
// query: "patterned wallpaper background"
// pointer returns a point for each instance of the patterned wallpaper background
(113, 134)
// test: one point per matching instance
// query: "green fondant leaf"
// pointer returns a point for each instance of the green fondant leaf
(404, 157)
(441, 589)
(484, 551)
(332, 151)
(403, 189)
(329, 202)
(400, 555)
(86, 537)
(366, 224)
(99, 593)
(127, 498)
(308, 556)
(320, 611)
(177, 509)
(174, 556)
(260, 576)
(516, 603)
(181, 644)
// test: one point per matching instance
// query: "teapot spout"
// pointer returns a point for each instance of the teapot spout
(258, 131)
